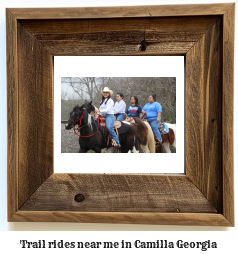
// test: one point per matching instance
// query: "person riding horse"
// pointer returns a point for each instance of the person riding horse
(119, 108)
(106, 109)
(153, 113)
(134, 110)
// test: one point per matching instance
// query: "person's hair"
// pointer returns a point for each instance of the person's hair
(154, 96)
(136, 99)
(103, 99)
(121, 95)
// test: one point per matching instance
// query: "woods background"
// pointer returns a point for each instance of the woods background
(75, 90)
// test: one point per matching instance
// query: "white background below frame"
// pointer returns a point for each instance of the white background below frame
(119, 66)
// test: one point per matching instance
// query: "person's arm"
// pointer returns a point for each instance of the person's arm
(144, 110)
(158, 117)
(109, 106)
(139, 111)
(159, 110)
(97, 110)
(127, 111)
(115, 110)
(123, 108)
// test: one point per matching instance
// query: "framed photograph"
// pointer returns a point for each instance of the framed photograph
(203, 194)
(126, 75)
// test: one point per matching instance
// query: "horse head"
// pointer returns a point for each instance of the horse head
(88, 106)
(75, 116)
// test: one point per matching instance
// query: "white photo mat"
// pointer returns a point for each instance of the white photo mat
(120, 66)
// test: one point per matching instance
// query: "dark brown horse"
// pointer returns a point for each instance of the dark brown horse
(92, 135)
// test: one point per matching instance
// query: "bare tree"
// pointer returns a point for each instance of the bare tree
(164, 87)
(84, 87)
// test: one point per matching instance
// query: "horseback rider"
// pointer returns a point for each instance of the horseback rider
(134, 110)
(153, 112)
(106, 109)
(120, 106)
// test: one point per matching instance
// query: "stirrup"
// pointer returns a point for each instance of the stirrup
(114, 143)
(157, 140)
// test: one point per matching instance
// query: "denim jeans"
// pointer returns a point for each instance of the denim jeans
(155, 127)
(120, 116)
(109, 124)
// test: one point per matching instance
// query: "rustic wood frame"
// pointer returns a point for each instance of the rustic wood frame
(204, 34)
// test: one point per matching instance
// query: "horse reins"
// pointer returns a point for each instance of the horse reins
(143, 116)
(79, 127)
(80, 119)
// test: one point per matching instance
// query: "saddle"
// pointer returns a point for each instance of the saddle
(105, 131)
(163, 128)
(118, 126)
(128, 119)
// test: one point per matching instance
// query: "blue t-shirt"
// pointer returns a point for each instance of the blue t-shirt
(152, 110)
(134, 111)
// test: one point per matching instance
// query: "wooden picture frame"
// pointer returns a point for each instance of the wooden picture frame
(204, 34)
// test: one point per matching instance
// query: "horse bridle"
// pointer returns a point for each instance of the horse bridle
(144, 116)
(79, 119)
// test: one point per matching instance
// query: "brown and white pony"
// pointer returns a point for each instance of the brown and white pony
(170, 138)
(145, 135)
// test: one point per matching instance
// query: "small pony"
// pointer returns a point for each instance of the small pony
(169, 138)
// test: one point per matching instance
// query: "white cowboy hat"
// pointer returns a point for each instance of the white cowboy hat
(107, 90)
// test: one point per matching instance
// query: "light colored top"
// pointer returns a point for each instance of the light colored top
(152, 110)
(119, 107)
(107, 108)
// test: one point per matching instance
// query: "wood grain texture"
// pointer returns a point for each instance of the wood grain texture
(71, 48)
(192, 219)
(12, 114)
(121, 12)
(34, 36)
(119, 36)
(227, 113)
(203, 121)
(35, 114)
(189, 26)
(114, 193)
